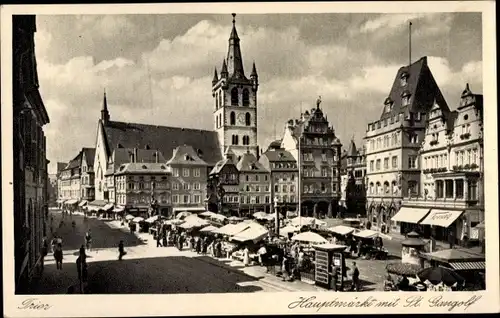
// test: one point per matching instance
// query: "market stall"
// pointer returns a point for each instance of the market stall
(370, 244)
(289, 230)
(309, 237)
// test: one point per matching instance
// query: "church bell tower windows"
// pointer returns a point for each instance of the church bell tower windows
(232, 119)
(246, 97)
(234, 97)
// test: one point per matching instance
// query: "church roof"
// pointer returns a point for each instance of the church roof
(89, 156)
(163, 138)
(249, 163)
(352, 150)
(142, 168)
(421, 87)
(186, 155)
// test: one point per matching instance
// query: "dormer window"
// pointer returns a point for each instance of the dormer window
(406, 97)
(404, 78)
(389, 104)
(144, 167)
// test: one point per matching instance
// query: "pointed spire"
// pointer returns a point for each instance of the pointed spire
(216, 77)
(254, 71)
(234, 59)
(104, 110)
(223, 72)
(467, 91)
(352, 151)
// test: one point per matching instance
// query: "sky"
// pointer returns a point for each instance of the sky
(158, 69)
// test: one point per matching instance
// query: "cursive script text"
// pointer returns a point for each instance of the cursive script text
(34, 304)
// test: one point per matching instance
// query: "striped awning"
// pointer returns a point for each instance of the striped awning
(463, 266)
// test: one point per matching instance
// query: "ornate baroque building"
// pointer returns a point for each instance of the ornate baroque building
(30, 183)
(311, 139)
(393, 141)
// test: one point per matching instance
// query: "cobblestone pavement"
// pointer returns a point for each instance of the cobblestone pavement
(148, 269)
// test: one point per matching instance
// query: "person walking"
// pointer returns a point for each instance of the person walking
(88, 240)
(73, 224)
(335, 277)
(121, 251)
(355, 277)
(246, 258)
(82, 268)
(58, 256)
(159, 238)
(53, 243)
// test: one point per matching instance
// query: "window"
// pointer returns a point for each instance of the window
(412, 162)
(323, 156)
(378, 164)
(185, 172)
(175, 172)
(232, 118)
(474, 156)
(196, 186)
(131, 185)
(175, 198)
(386, 187)
(257, 177)
(197, 172)
(386, 163)
(248, 119)
(197, 198)
(175, 186)
(257, 188)
(276, 188)
(185, 199)
(246, 97)
(292, 188)
(371, 165)
(460, 188)
(469, 156)
(412, 187)
(324, 172)
(394, 161)
(449, 189)
(472, 187)
(186, 186)
(246, 140)
(234, 97)
(406, 100)
(414, 138)
(285, 188)
(234, 139)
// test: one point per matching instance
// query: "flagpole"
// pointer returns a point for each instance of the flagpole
(409, 44)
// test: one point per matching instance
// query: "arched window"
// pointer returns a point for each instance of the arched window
(378, 189)
(386, 187)
(371, 187)
(394, 188)
(216, 101)
(220, 99)
(234, 97)
(220, 120)
(246, 97)
(246, 140)
(247, 119)
(232, 118)
(235, 139)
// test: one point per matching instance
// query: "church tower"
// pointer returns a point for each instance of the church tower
(235, 102)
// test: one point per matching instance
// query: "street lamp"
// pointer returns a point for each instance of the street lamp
(220, 194)
(276, 217)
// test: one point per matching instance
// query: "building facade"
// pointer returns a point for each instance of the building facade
(30, 161)
(188, 180)
(254, 185)
(354, 182)
(320, 157)
(87, 174)
(393, 142)
(283, 178)
(223, 193)
(235, 102)
(52, 190)
(451, 200)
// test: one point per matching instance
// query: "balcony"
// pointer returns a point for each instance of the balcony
(434, 170)
(458, 203)
(465, 167)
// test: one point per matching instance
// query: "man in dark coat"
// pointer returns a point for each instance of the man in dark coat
(121, 251)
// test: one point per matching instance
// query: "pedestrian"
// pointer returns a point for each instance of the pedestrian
(58, 256)
(355, 277)
(198, 245)
(121, 251)
(59, 240)
(284, 268)
(73, 224)
(44, 251)
(159, 238)
(88, 240)
(82, 267)
(192, 242)
(53, 243)
(246, 257)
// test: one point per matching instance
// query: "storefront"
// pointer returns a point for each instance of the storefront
(407, 219)
(444, 225)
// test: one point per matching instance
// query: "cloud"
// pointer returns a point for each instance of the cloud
(170, 82)
(389, 21)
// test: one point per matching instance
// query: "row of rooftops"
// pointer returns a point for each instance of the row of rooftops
(85, 153)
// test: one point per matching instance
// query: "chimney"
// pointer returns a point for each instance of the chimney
(135, 154)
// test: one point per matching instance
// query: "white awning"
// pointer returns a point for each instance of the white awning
(342, 229)
(84, 202)
(118, 208)
(253, 233)
(71, 201)
(410, 215)
(464, 266)
(443, 218)
(366, 234)
(108, 206)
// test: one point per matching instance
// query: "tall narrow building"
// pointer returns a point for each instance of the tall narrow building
(235, 102)
(393, 142)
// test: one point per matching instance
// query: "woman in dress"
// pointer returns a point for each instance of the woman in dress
(246, 257)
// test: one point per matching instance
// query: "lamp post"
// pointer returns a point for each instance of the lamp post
(220, 195)
(153, 200)
(276, 217)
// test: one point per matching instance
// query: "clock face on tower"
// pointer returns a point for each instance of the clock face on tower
(241, 119)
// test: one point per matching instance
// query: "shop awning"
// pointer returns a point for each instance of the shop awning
(443, 218)
(208, 229)
(118, 208)
(71, 201)
(455, 255)
(342, 229)
(464, 266)
(192, 209)
(84, 202)
(108, 206)
(410, 215)
(253, 233)
(366, 234)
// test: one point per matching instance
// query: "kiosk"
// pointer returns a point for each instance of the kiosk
(327, 256)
